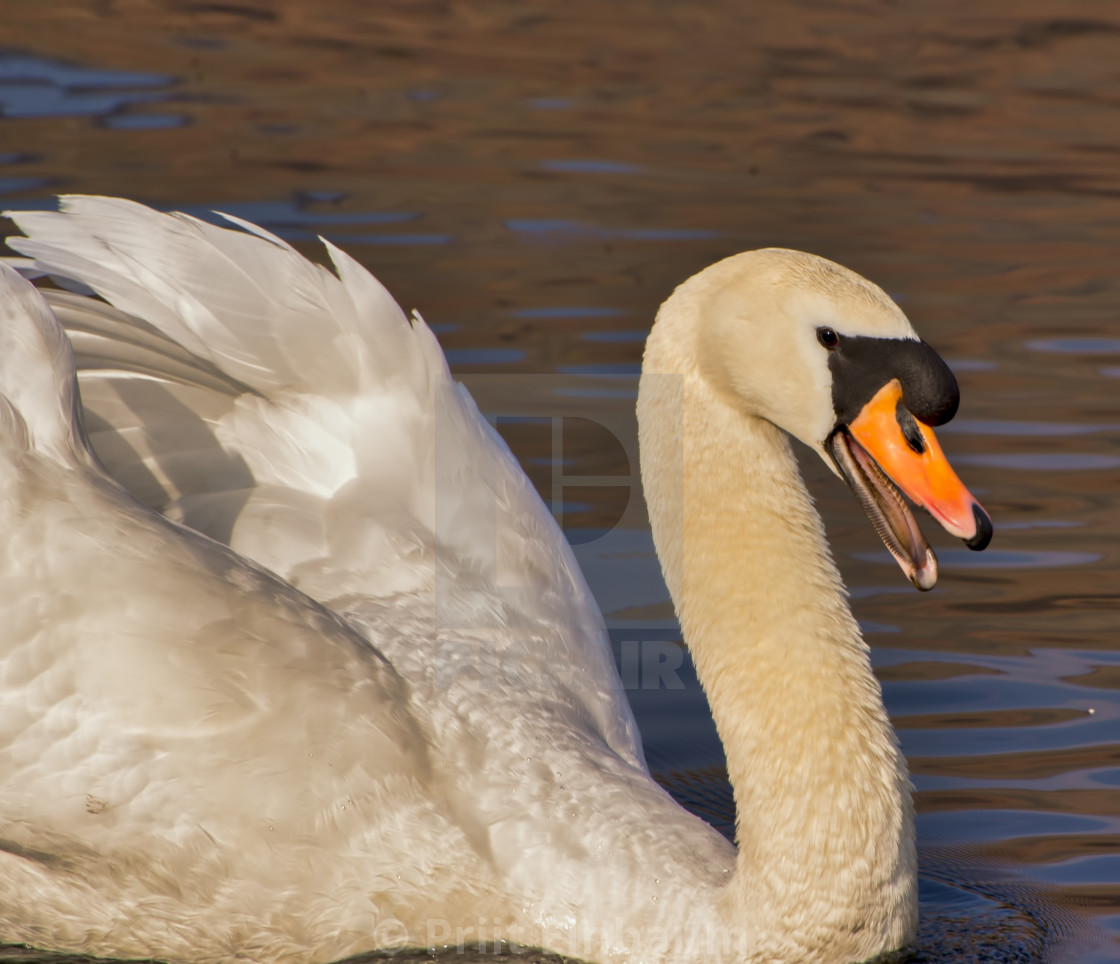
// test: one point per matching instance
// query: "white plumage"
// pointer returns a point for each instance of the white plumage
(427, 733)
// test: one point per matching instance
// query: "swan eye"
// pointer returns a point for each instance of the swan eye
(828, 338)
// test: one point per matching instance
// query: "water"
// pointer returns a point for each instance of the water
(536, 178)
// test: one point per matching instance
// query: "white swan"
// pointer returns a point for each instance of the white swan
(199, 763)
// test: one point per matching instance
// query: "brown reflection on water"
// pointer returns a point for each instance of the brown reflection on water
(558, 168)
(1021, 798)
(929, 671)
(1032, 765)
(1035, 716)
(1045, 850)
(1079, 603)
(1098, 677)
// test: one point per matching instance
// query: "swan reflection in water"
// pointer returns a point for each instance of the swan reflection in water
(245, 746)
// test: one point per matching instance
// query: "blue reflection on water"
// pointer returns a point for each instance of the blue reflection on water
(145, 122)
(619, 337)
(545, 227)
(381, 238)
(292, 219)
(969, 694)
(300, 220)
(607, 368)
(992, 426)
(566, 311)
(1042, 461)
(868, 626)
(970, 364)
(9, 185)
(983, 825)
(1095, 869)
(992, 559)
(575, 166)
(33, 86)
(997, 741)
(1089, 346)
(292, 214)
(483, 356)
(1039, 524)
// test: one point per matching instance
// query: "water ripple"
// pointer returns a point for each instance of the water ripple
(560, 227)
(993, 559)
(33, 86)
(567, 311)
(575, 166)
(1042, 461)
(1087, 346)
(994, 426)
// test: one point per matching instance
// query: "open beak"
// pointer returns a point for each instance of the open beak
(885, 453)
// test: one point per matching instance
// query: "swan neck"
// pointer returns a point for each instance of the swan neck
(824, 817)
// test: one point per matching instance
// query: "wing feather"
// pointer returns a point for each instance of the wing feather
(300, 416)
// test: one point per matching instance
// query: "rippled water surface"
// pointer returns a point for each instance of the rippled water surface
(536, 177)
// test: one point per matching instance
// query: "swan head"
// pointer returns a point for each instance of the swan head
(827, 356)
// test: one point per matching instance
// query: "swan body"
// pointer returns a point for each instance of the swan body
(361, 696)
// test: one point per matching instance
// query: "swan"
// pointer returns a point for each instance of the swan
(349, 690)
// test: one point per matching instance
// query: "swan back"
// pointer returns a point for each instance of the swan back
(156, 688)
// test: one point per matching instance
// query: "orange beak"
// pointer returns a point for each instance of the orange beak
(884, 450)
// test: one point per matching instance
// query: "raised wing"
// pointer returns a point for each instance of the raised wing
(300, 417)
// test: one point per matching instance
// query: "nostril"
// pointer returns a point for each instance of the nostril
(983, 529)
(909, 427)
